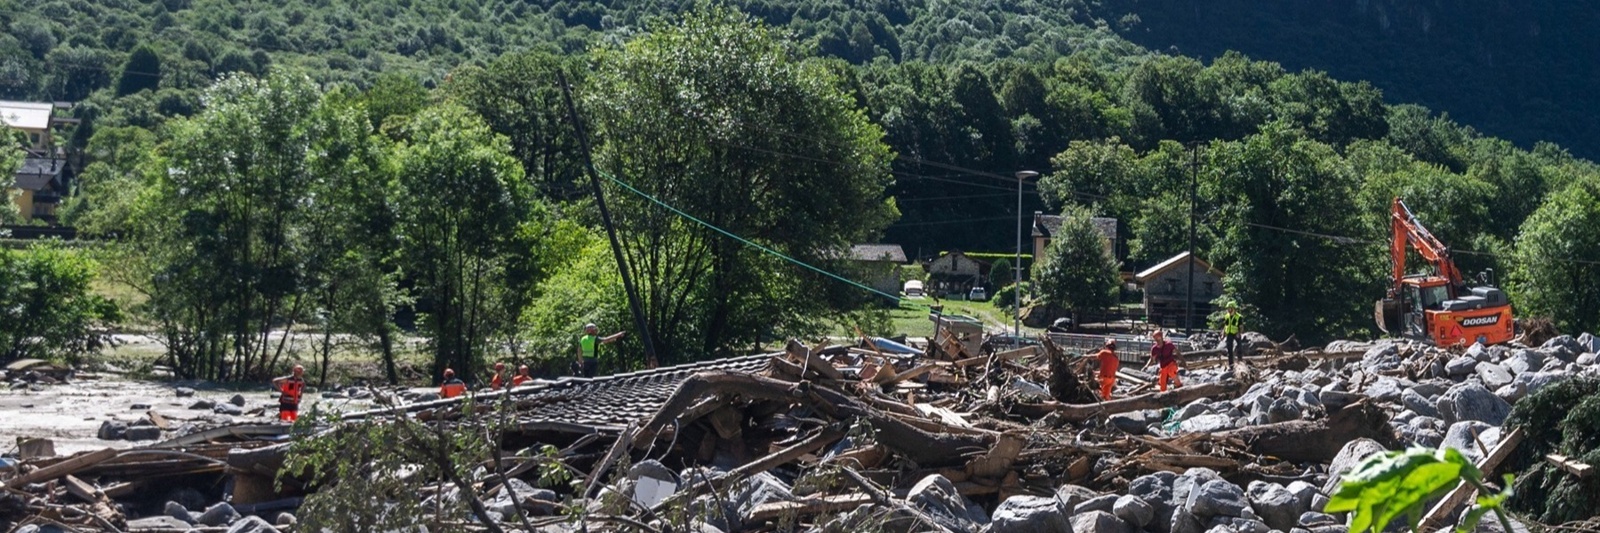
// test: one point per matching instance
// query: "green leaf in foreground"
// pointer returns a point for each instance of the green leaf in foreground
(1386, 486)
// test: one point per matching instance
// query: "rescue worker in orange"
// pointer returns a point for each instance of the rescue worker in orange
(499, 377)
(521, 377)
(289, 389)
(1108, 368)
(1165, 355)
(452, 387)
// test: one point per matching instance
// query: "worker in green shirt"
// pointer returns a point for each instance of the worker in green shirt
(1230, 331)
(588, 361)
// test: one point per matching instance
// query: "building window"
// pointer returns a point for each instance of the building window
(34, 138)
(1211, 288)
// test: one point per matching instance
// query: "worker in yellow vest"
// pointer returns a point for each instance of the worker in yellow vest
(1230, 331)
(588, 362)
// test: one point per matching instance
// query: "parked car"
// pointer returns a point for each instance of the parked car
(1006, 342)
(978, 294)
(913, 289)
(1061, 325)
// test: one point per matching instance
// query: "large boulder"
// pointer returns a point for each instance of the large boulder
(1097, 503)
(1156, 489)
(1134, 510)
(1534, 381)
(1418, 403)
(1493, 376)
(252, 524)
(1284, 410)
(1206, 424)
(1381, 358)
(938, 497)
(1470, 401)
(1275, 504)
(531, 499)
(1029, 513)
(1523, 361)
(143, 433)
(1353, 452)
(1098, 522)
(1460, 366)
(112, 430)
(1589, 342)
(1387, 389)
(218, 515)
(1563, 347)
(1466, 434)
(1218, 498)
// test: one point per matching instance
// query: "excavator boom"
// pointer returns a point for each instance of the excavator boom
(1439, 308)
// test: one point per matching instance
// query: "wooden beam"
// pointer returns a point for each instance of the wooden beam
(1180, 396)
(808, 507)
(1570, 466)
(809, 360)
(69, 466)
(83, 491)
(1445, 511)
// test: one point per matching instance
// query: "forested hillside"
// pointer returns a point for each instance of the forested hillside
(233, 145)
(1518, 70)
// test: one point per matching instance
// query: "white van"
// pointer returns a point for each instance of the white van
(913, 289)
(978, 294)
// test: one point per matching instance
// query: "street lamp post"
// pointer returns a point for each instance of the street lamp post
(1016, 296)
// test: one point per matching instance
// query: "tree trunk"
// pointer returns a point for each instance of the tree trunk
(1155, 400)
(1318, 441)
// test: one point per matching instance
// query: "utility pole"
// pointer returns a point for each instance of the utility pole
(1016, 293)
(1194, 181)
(611, 230)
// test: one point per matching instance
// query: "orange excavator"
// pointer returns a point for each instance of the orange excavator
(1440, 307)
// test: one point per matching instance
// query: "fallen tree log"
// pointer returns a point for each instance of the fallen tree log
(1317, 440)
(1444, 512)
(910, 442)
(1081, 412)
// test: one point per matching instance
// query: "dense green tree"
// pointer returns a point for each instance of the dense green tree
(1287, 206)
(47, 308)
(701, 115)
(141, 71)
(460, 205)
(1002, 273)
(10, 160)
(1077, 273)
(1557, 274)
(518, 96)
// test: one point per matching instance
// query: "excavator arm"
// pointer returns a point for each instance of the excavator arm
(1408, 230)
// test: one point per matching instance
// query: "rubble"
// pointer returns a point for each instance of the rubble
(867, 436)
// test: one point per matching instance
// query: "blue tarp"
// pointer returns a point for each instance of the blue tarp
(889, 346)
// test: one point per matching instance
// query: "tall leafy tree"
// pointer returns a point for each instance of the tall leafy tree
(142, 71)
(1557, 273)
(1077, 272)
(1287, 205)
(720, 118)
(461, 205)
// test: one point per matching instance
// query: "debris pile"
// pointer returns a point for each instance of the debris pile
(873, 436)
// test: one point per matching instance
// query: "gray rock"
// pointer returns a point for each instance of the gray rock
(177, 511)
(252, 524)
(237, 399)
(1494, 376)
(227, 409)
(1206, 424)
(1098, 522)
(1187, 484)
(1380, 358)
(1182, 522)
(1071, 496)
(139, 407)
(519, 493)
(1132, 423)
(1533, 381)
(1353, 452)
(1461, 437)
(1470, 401)
(1156, 490)
(1522, 361)
(112, 430)
(1029, 513)
(427, 397)
(1314, 519)
(220, 514)
(1512, 392)
(1134, 510)
(1564, 347)
(1335, 528)
(1249, 525)
(156, 523)
(1429, 389)
(1418, 403)
(285, 519)
(1335, 399)
(1589, 343)
(1427, 422)
(1387, 389)
(1283, 410)
(938, 497)
(1097, 503)
(1460, 366)
(1319, 502)
(1275, 505)
(1216, 498)
(1479, 352)
(1194, 409)
(1588, 359)
(202, 404)
(1303, 494)
(143, 433)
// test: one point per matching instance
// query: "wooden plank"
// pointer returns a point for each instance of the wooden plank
(911, 374)
(83, 491)
(1025, 351)
(809, 360)
(807, 507)
(1193, 461)
(1445, 511)
(158, 420)
(69, 466)
(944, 415)
(1570, 466)
(999, 459)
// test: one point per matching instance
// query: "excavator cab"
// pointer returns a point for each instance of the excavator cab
(1438, 307)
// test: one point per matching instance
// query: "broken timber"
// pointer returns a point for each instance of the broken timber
(1317, 440)
(1445, 510)
(1082, 412)
(1581, 470)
